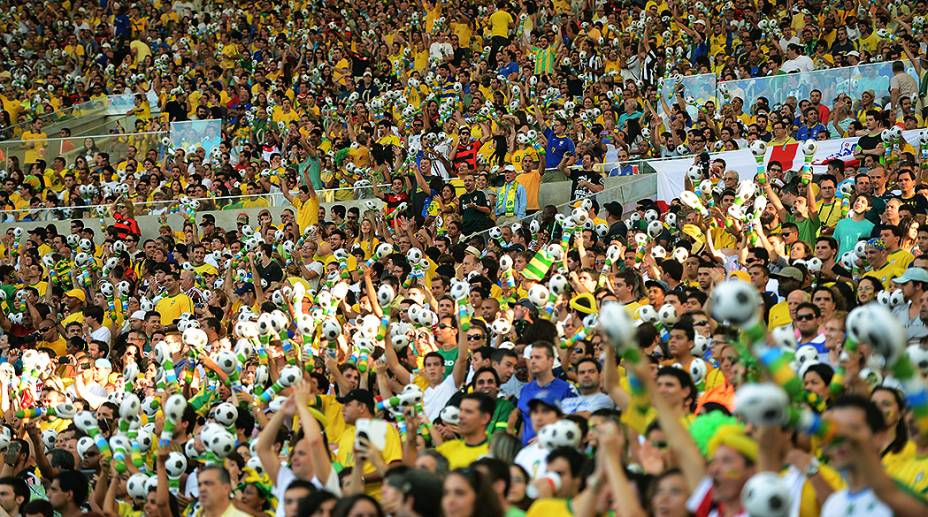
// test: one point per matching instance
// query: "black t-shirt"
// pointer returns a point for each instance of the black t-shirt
(473, 220)
(868, 142)
(918, 201)
(576, 191)
(176, 111)
(271, 273)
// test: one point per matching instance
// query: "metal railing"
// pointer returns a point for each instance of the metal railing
(116, 144)
(171, 206)
(850, 80)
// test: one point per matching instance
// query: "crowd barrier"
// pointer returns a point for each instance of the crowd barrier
(116, 144)
(850, 80)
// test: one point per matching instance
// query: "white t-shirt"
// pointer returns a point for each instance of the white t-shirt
(863, 503)
(285, 476)
(102, 334)
(800, 64)
(434, 399)
(534, 459)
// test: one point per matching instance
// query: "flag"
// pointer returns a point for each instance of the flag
(787, 155)
(537, 268)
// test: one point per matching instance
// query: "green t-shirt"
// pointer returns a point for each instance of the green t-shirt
(808, 228)
(500, 419)
(450, 357)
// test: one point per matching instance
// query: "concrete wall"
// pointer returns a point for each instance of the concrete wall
(626, 190)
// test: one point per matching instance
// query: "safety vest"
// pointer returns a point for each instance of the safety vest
(507, 196)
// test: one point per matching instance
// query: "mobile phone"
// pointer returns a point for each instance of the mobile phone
(12, 453)
(374, 430)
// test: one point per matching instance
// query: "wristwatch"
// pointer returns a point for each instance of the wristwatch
(813, 468)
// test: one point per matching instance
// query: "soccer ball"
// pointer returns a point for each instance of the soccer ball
(668, 314)
(331, 329)
(460, 290)
(289, 375)
(558, 284)
(759, 148)
(876, 326)
(784, 338)
(265, 326)
(501, 326)
(150, 406)
(763, 405)
(225, 414)
(144, 439)
(174, 407)
(176, 465)
(563, 433)
(809, 147)
(647, 314)
(85, 421)
(735, 301)
(918, 356)
(83, 445)
(700, 345)
(130, 405)
(226, 361)
(538, 294)
(195, 337)
(694, 173)
(137, 486)
(48, 438)
(805, 356)
(698, 371)
(617, 327)
(222, 443)
(255, 464)
(450, 415)
(766, 494)
(814, 265)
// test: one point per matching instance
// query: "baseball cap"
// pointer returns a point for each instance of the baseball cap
(789, 272)
(247, 288)
(77, 293)
(657, 283)
(208, 219)
(853, 53)
(614, 208)
(546, 397)
(137, 315)
(526, 303)
(241, 218)
(103, 364)
(913, 273)
(359, 395)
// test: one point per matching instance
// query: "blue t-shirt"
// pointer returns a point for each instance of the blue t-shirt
(557, 146)
(560, 390)
(810, 133)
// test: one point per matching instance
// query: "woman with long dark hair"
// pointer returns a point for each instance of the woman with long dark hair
(467, 494)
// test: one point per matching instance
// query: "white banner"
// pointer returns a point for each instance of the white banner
(671, 173)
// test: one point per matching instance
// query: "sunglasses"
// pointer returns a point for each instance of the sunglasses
(805, 317)
(475, 337)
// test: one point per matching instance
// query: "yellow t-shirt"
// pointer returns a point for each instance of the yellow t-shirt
(900, 259)
(500, 22)
(392, 452)
(913, 473)
(550, 508)
(461, 455)
(307, 214)
(886, 273)
(58, 345)
(779, 315)
(171, 307)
